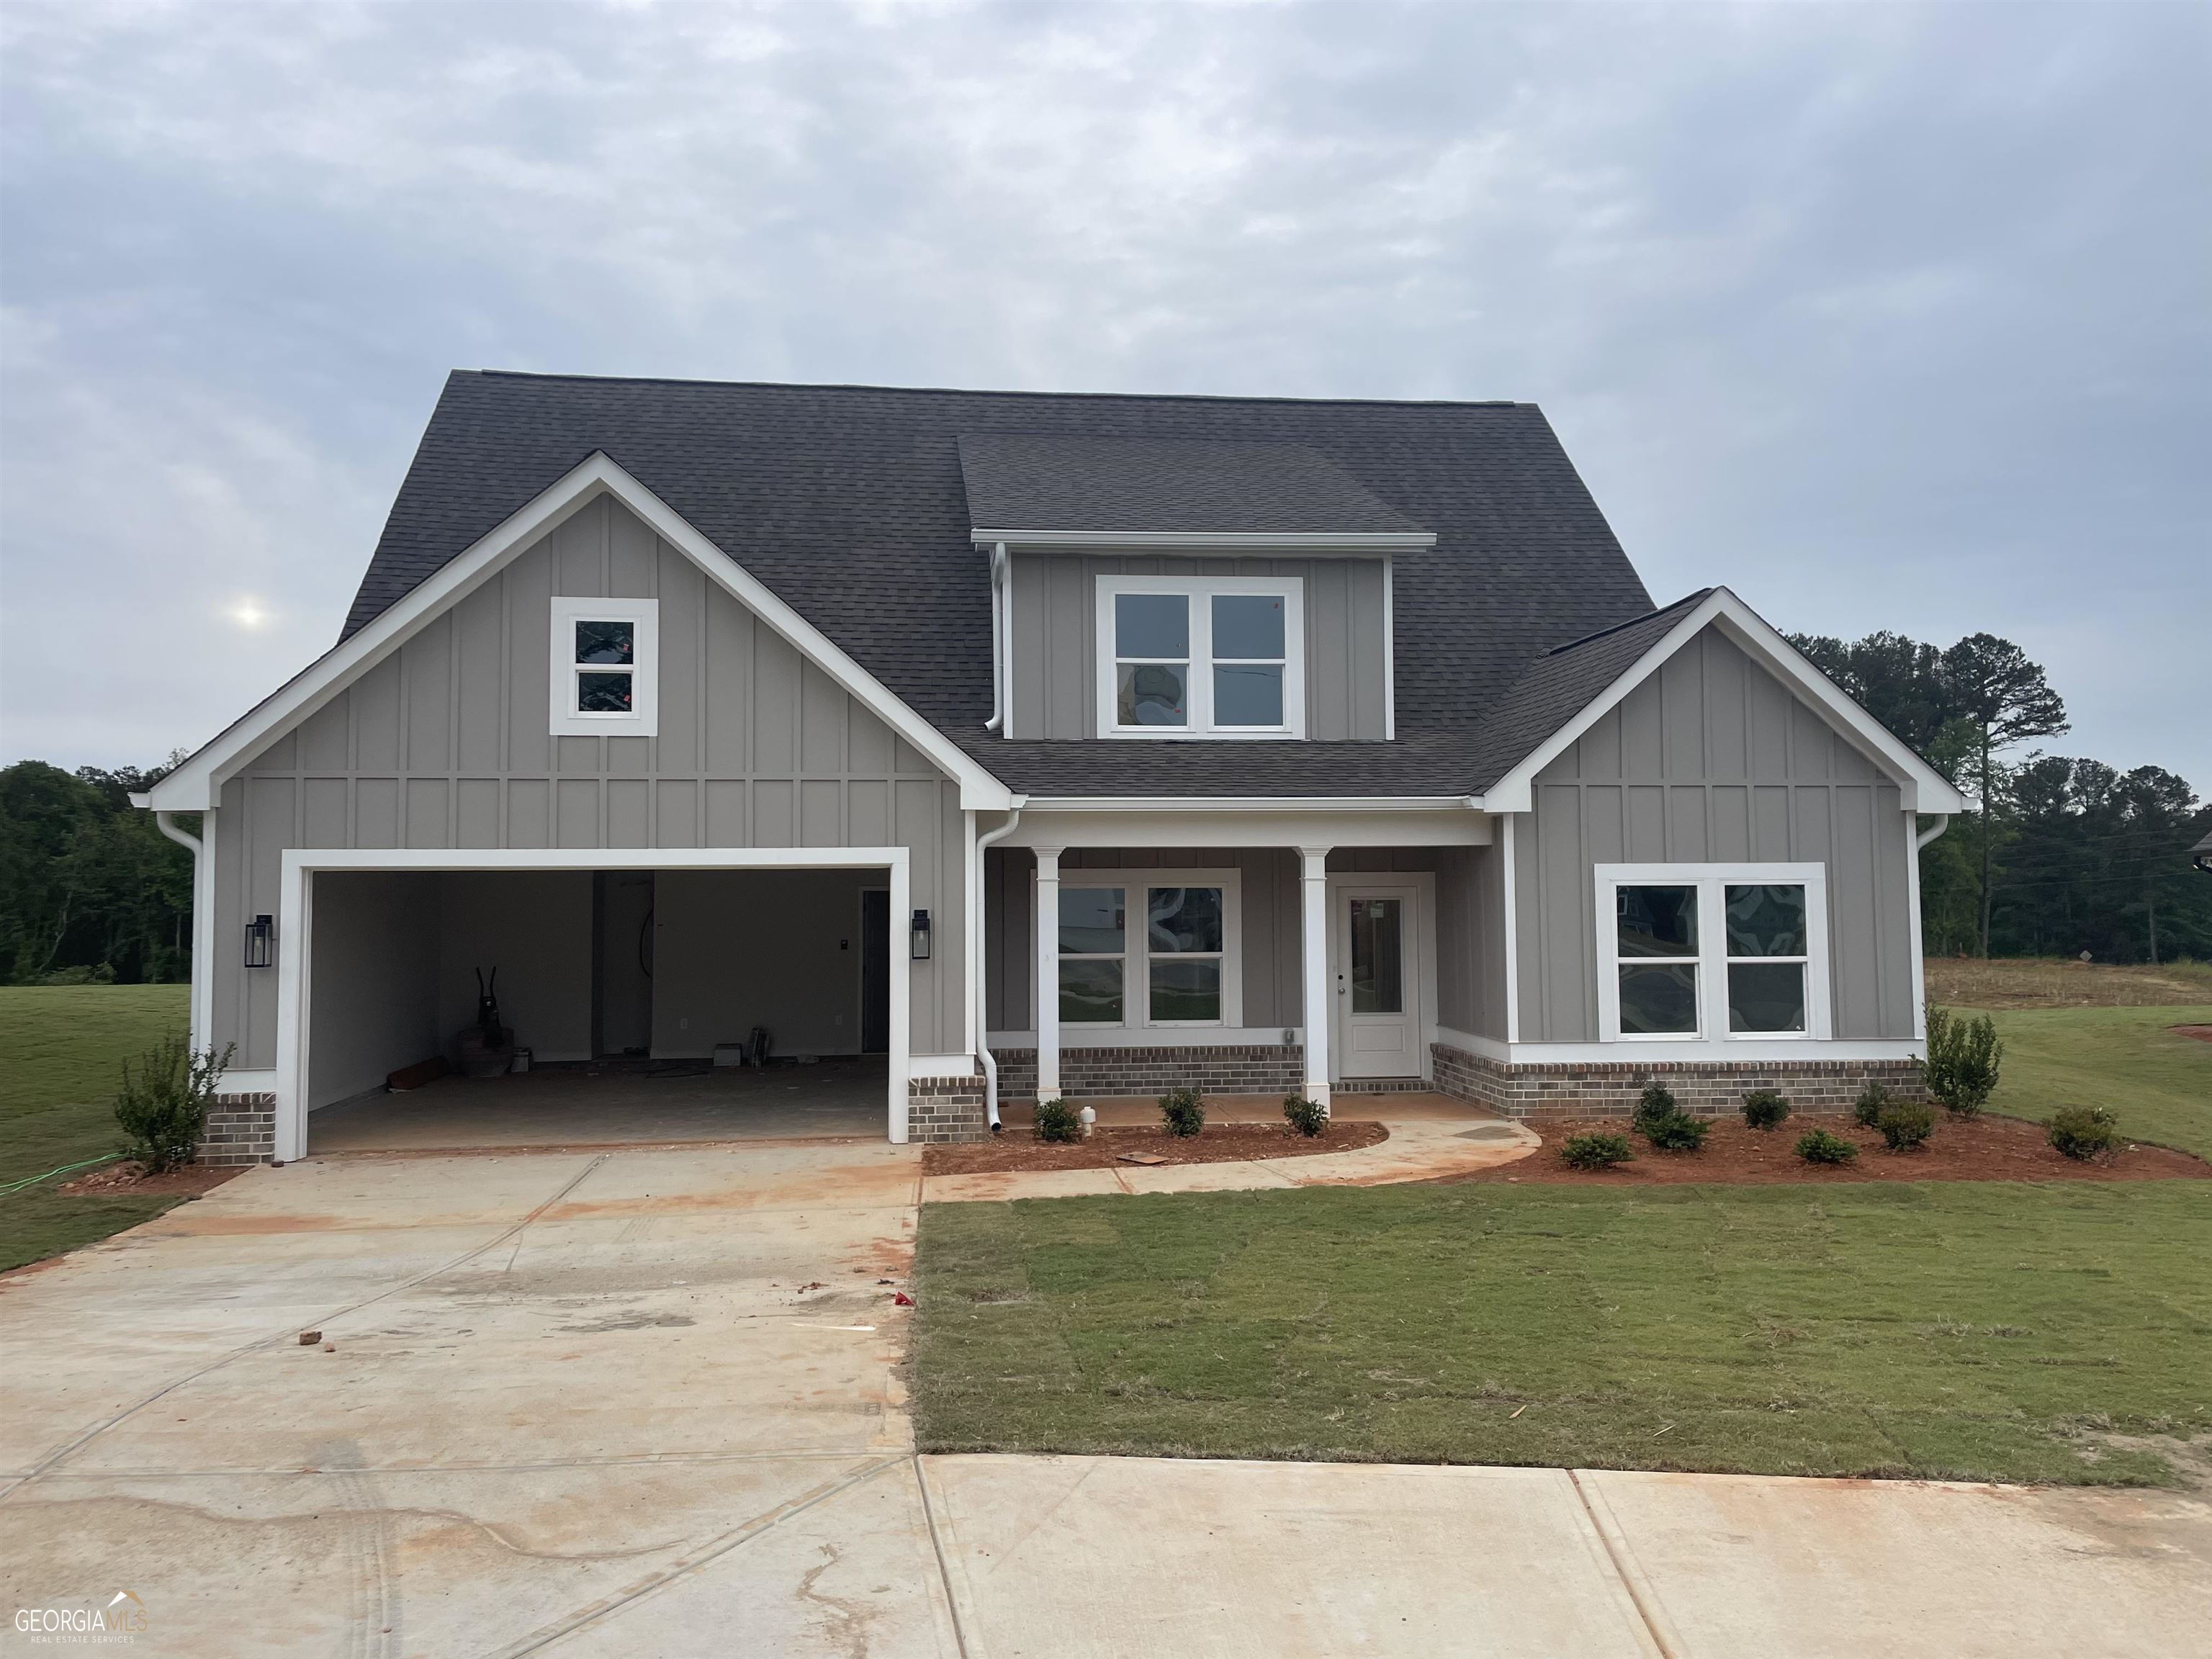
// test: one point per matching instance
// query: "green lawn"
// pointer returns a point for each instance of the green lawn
(1948, 1329)
(62, 1049)
(2159, 1085)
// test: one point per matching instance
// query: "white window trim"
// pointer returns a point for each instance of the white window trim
(1711, 880)
(1137, 956)
(1290, 589)
(643, 720)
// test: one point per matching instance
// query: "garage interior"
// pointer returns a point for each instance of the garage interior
(642, 1005)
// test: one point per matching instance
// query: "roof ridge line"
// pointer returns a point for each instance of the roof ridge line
(1687, 598)
(1002, 392)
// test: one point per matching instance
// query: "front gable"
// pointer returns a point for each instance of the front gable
(598, 532)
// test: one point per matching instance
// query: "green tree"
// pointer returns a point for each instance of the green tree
(2004, 700)
(88, 883)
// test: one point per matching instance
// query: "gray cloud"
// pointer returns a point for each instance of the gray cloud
(1885, 316)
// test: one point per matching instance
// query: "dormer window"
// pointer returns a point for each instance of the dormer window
(1201, 656)
(605, 667)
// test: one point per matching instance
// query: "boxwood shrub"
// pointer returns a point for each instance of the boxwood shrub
(2084, 1132)
(1906, 1125)
(1821, 1147)
(1598, 1150)
(1184, 1110)
(1765, 1108)
(1056, 1120)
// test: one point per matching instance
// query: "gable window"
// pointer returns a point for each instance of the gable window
(605, 667)
(1177, 967)
(1201, 656)
(1711, 951)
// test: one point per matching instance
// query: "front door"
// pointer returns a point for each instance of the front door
(1378, 1002)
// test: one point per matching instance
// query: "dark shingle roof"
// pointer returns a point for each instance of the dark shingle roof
(1022, 482)
(850, 503)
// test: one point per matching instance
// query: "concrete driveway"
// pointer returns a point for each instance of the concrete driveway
(646, 1402)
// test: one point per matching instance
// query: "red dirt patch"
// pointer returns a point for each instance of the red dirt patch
(2201, 1033)
(1217, 1143)
(1988, 1148)
(130, 1180)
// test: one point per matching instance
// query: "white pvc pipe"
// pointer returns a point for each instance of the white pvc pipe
(203, 981)
(983, 1055)
(998, 641)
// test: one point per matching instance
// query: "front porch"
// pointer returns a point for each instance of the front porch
(1263, 953)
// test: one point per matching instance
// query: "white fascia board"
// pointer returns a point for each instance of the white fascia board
(1251, 803)
(1921, 787)
(193, 787)
(1215, 541)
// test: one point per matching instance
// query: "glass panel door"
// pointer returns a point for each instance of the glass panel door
(1378, 971)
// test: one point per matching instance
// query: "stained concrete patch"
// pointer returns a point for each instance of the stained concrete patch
(1751, 1567)
(1105, 1556)
(766, 1555)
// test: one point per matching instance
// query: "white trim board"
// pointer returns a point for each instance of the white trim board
(295, 923)
(1920, 787)
(193, 787)
(1380, 543)
(1157, 1036)
(1661, 1052)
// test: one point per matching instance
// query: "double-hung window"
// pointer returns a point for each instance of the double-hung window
(605, 667)
(1690, 952)
(1202, 656)
(1148, 949)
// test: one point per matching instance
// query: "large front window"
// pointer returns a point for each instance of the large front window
(1711, 951)
(1148, 949)
(1201, 656)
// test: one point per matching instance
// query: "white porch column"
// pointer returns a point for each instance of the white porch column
(1313, 957)
(1048, 972)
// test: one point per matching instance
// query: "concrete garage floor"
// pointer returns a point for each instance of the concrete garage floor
(647, 1402)
(615, 1104)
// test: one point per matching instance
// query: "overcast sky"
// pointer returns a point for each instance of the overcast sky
(1885, 316)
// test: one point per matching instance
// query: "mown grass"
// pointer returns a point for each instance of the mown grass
(2064, 982)
(2157, 1084)
(62, 1049)
(1966, 1330)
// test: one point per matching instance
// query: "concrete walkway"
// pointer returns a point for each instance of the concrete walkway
(1431, 1136)
(647, 1402)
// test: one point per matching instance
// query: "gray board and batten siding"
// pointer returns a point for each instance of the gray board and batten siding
(1055, 638)
(1713, 760)
(445, 744)
(1470, 925)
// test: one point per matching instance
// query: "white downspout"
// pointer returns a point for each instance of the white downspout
(1943, 822)
(983, 971)
(997, 642)
(203, 982)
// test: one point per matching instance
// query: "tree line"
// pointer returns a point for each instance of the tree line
(2057, 855)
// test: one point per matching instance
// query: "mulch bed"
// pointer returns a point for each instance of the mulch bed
(1217, 1143)
(2201, 1033)
(1988, 1148)
(130, 1180)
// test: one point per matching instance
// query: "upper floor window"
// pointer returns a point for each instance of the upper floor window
(1712, 951)
(1201, 656)
(605, 667)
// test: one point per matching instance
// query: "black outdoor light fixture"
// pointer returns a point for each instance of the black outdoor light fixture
(919, 950)
(260, 937)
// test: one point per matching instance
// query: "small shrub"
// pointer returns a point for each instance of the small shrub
(1963, 1056)
(1680, 1133)
(2084, 1132)
(1056, 1120)
(1184, 1110)
(1595, 1151)
(1872, 1099)
(1309, 1117)
(1765, 1108)
(163, 1109)
(1821, 1147)
(1906, 1125)
(1657, 1106)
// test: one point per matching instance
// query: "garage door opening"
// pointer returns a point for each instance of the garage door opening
(633, 1005)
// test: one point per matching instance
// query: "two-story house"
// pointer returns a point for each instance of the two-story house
(1045, 745)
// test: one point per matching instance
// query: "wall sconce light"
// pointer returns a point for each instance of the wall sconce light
(919, 949)
(260, 941)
